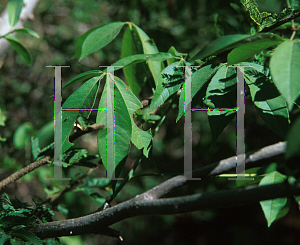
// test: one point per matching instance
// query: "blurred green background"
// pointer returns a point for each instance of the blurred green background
(188, 26)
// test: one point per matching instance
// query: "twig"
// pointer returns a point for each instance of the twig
(17, 175)
(281, 22)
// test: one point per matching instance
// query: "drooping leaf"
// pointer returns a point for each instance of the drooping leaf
(22, 50)
(284, 66)
(14, 8)
(125, 103)
(141, 139)
(149, 47)
(273, 207)
(269, 103)
(135, 74)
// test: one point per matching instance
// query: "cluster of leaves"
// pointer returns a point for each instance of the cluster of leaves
(274, 90)
(15, 215)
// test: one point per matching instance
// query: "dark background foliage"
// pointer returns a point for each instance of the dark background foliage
(187, 25)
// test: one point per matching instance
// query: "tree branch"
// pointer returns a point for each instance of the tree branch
(281, 22)
(146, 205)
(27, 13)
(17, 175)
(149, 203)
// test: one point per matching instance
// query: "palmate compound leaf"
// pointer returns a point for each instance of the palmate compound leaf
(125, 104)
(83, 98)
(272, 208)
(284, 66)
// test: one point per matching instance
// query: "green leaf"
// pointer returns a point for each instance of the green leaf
(221, 93)
(27, 31)
(141, 139)
(174, 53)
(273, 207)
(220, 45)
(149, 47)
(269, 103)
(83, 98)
(199, 79)
(96, 38)
(293, 140)
(22, 135)
(253, 174)
(125, 103)
(246, 51)
(46, 134)
(169, 83)
(82, 77)
(35, 148)
(14, 8)
(284, 66)
(135, 74)
(23, 51)
(2, 123)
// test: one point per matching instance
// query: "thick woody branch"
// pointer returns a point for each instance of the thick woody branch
(149, 203)
(262, 156)
(146, 205)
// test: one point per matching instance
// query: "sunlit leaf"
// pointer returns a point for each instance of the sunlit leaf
(272, 207)
(284, 66)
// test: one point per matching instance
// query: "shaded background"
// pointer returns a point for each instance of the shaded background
(188, 26)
